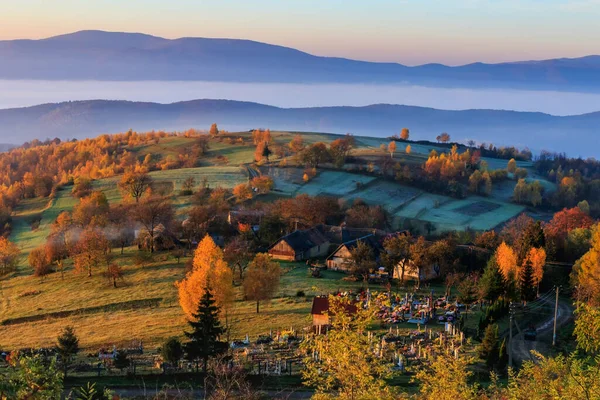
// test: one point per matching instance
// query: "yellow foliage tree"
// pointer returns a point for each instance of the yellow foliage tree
(537, 258)
(209, 271)
(507, 261)
(586, 272)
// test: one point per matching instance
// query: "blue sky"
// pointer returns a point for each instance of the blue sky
(407, 31)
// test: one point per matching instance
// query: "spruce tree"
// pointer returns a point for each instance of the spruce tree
(527, 285)
(67, 347)
(489, 350)
(266, 151)
(492, 282)
(121, 360)
(206, 330)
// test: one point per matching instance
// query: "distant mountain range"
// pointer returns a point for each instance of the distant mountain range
(575, 135)
(98, 55)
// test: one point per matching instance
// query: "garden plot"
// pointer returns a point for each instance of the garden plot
(475, 212)
(420, 205)
(387, 194)
(334, 183)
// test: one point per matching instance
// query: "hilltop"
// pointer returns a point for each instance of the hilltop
(575, 135)
(99, 55)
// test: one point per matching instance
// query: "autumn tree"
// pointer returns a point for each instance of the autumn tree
(537, 258)
(397, 254)
(151, 213)
(443, 137)
(340, 149)
(242, 192)
(447, 378)
(262, 279)
(315, 154)
(82, 187)
(507, 261)
(262, 184)
(91, 210)
(297, 144)
(187, 187)
(9, 256)
(204, 338)
(408, 149)
(135, 184)
(91, 251)
(38, 260)
(392, 148)
(342, 364)
(511, 166)
(209, 269)
(362, 260)
(214, 130)
(121, 229)
(419, 255)
(114, 273)
(586, 272)
(67, 347)
(237, 254)
(404, 134)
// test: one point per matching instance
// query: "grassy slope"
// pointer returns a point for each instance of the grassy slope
(156, 281)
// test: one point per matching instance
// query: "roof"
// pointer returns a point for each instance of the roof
(320, 306)
(305, 239)
(370, 240)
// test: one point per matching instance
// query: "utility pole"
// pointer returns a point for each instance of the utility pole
(510, 324)
(555, 317)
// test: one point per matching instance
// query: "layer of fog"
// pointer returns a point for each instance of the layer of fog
(27, 93)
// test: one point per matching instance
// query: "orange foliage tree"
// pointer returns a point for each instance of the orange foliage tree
(507, 261)
(262, 279)
(209, 271)
(537, 258)
(9, 255)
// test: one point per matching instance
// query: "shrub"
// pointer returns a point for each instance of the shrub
(300, 293)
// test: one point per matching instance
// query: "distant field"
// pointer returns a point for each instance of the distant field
(474, 212)
(388, 194)
(334, 183)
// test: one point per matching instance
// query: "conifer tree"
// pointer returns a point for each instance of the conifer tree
(67, 346)
(491, 283)
(527, 283)
(489, 350)
(206, 330)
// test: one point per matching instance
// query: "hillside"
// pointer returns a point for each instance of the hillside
(575, 135)
(144, 306)
(101, 55)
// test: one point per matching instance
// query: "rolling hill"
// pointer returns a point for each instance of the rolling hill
(98, 55)
(575, 135)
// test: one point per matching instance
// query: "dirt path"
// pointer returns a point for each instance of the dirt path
(522, 348)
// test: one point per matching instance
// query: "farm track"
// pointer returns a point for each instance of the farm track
(522, 349)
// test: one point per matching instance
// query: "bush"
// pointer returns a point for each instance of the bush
(300, 293)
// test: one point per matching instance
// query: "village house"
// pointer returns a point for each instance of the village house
(412, 273)
(340, 259)
(300, 245)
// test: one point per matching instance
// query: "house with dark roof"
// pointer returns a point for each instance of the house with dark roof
(300, 245)
(340, 259)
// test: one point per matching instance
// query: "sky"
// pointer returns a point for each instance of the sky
(411, 32)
